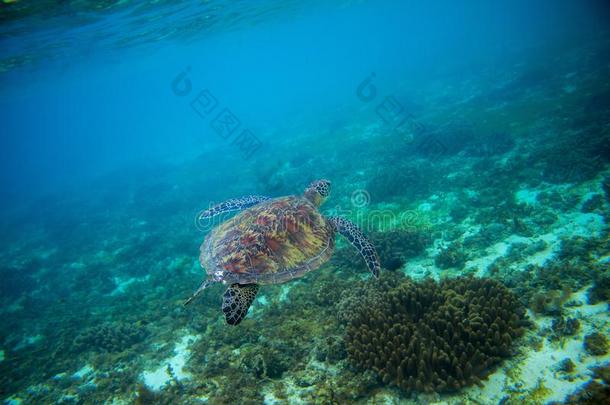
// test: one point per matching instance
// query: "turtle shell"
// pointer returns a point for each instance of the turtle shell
(269, 243)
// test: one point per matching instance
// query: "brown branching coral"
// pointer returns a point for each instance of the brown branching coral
(432, 336)
(369, 291)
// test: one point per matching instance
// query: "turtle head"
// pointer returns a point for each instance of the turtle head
(318, 191)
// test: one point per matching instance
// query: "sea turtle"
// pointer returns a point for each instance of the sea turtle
(270, 242)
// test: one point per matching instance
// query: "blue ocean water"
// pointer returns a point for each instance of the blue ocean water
(463, 139)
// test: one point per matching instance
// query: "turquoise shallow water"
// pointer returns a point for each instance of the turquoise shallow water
(468, 143)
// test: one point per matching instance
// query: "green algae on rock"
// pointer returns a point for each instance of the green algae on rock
(594, 392)
(451, 256)
(596, 344)
(432, 336)
(110, 337)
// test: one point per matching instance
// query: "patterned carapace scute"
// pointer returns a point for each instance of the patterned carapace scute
(269, 243)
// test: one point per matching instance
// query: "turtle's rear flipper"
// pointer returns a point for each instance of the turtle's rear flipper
(236, 301)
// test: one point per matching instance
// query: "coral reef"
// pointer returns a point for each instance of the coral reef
(408, 180)
(566, 366)
(596, 344)
(449, 139)
(452, 256)
(596, 391)
(564, 327)
(606, 188)
(145, 396)
(549, 302)
(491, 144)
(521, 179)
(300, 327)
(265, 361)
(487, 236)
(546, 287)
(332, 349)
(600, 291)
(593, 393)
(110, 337)
(593, 203)
(435, 336)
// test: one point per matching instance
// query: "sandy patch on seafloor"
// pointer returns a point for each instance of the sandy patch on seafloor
(158, 377)
(533, 374)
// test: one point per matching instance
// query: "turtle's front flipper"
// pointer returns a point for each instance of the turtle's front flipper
(236, 301)
(355, 236)
(234, 204)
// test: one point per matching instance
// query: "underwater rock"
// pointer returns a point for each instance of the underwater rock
(549, 302)
(451, 256)
(490, 145)
(596, 344)
(435, 337)
(237, 388)
(529, 78)
(602, 372)
(110, 338)
(487, 236)
(545, 287)
(596, 391)
(332, 349)
(600, 291)
(565, 327)
(145, 396)
(445, 140)
(265, 361)
(459, 212)
(274, 178)
(606, 188)
(593, 393)
(598, 102)
(593, 203)
(566, 366)
(578, 248)
(408, 180)
(255, 364)
(572, 158)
